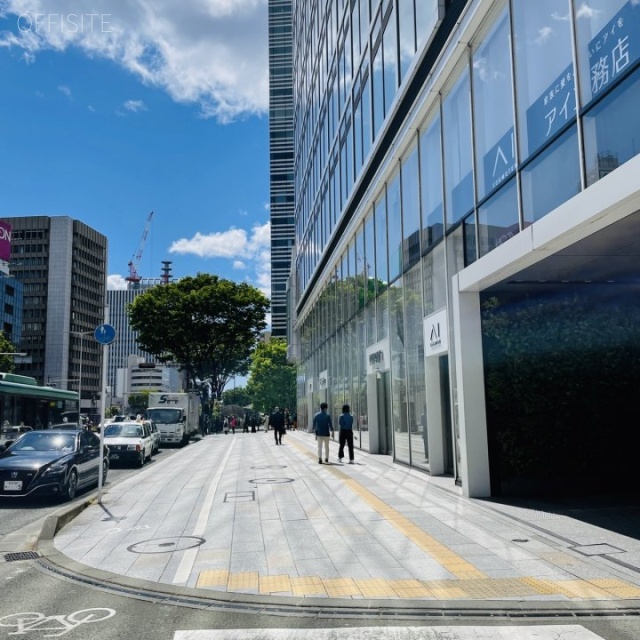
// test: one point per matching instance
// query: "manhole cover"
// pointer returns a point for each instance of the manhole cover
(166, 545)
(271, 480)
(21, 555)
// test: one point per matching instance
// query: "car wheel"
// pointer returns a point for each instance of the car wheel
(151, 454)
(72, 485)
(141, 459)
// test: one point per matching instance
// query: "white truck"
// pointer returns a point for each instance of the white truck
(177, 416)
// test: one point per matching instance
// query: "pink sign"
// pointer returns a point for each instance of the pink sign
(5, 241)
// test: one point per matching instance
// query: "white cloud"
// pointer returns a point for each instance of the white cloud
(64, 89)
(585, 11)
(134, 105)
(209, 52)
(116, 282)
(544, 35)
(248, 250)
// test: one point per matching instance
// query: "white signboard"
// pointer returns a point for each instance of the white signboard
(378, 357)
(436, 333)
(322, 379)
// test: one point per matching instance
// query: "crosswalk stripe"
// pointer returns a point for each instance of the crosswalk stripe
(539, 632)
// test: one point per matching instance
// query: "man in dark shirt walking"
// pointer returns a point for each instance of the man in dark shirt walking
(276, 421)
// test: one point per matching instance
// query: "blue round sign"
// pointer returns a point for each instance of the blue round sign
(105, 334)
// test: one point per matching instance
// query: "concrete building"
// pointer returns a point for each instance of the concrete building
(467, 192)
(61, 265)
(280, 159)
(126, 342)
(140, 375)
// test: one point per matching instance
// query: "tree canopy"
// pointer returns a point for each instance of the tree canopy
(7, 363)
(272, 380)
(206, 324)
(237, 396)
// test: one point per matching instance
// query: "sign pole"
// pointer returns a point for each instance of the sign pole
(104, 334)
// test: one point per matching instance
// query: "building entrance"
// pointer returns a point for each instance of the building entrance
(445, 403)
(385, 430)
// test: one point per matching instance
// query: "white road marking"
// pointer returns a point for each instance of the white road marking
(540, 632)
(188, 559)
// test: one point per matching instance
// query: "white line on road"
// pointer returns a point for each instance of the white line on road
(540, 632)
(188, 559)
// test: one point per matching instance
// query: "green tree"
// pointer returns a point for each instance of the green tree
(272, 380)
(7, 363)
(139, 402)
(239, 396)
(208, 325)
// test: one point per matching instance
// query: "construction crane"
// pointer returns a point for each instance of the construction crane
(133, 276)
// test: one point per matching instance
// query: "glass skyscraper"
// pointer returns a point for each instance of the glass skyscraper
(466, 214)
(280, 160)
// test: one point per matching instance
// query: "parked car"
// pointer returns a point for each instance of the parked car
(52, 462)
(9, 433)
(155, 434)
(129, 442)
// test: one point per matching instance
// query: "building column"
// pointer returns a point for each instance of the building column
(469, 393)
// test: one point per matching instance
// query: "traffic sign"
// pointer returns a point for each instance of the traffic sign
(105, 334)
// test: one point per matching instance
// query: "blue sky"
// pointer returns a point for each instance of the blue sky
(142, 108)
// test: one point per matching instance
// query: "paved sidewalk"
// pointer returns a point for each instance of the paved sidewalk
(240, 516)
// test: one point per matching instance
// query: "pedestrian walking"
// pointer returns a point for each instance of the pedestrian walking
(225, 424)
(233, 423)
(276, 421)
(323, 428)
(345, 434)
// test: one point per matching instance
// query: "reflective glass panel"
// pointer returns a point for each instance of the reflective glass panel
(398, 371)
(612, 130)
(390, 45)
(431, 183)
(498, 218)
(410, 208)
(545, 81)
(493, 108)
(608, 33)
(552, 178)
(458, 166)
(394, 226)
(406, 19)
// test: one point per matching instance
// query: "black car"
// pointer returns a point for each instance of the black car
(52, 462)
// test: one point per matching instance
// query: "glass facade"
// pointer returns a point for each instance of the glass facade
(537, 108)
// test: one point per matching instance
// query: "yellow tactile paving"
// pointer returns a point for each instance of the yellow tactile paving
(341, 587)
(274, 584)
(470, 582)
(411, 589)
(213, 578)
(619, 588)
(308, 586)
(471, 589)
(581, 589)
(375, 588)
(247, 580)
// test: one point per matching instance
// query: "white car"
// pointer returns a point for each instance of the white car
(129, 442)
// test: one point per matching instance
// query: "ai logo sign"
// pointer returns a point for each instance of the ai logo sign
(435, 333)
(434, 338)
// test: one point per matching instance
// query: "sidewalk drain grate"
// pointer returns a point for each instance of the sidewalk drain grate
(597, 549)
(21, 555)
(240, 496)
(271, 480)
